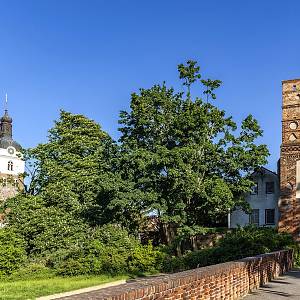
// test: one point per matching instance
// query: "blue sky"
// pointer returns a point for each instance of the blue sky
(88, 57)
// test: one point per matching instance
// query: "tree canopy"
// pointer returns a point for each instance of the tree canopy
(194, 160)
(179, 157)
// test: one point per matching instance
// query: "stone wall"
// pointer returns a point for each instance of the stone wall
(231, 280)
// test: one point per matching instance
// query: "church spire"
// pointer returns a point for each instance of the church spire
(6, 102)
(6, 122)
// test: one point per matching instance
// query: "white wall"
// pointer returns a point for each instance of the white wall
(18, 163)
(260, 201)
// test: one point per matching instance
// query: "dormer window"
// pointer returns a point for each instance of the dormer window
(10, 166)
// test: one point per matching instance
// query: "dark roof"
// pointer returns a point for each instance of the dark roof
(262, 171)
(6, 117)
(6, 141)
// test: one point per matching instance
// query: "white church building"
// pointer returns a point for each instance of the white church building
(11, 163)
(263, 200)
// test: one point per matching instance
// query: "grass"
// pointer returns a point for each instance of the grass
(33, 288)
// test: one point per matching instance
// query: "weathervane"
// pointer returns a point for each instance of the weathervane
(5, 101)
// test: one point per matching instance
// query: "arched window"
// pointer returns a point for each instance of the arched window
(10, 166)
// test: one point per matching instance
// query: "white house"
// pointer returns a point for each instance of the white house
(263, 200)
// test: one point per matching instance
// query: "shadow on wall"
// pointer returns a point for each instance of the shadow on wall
(265, 268)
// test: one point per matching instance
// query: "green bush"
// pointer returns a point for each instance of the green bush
(68, 247)
(109, 249)
(144, 259)
(250, 240)
(45, 229)
(242, 242)
(31, 270)
(12, 251)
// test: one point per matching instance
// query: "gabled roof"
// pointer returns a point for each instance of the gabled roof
(263, 171)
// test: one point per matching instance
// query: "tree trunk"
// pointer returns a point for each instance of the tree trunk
(169, 231)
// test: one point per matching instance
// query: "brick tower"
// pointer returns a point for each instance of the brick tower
(289, 203)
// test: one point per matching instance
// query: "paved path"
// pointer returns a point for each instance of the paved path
(284, 287)
(84, 290)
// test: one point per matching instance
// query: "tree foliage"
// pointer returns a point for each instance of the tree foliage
(178, 156)
(12, 252)
(77, 171)
(192, 158)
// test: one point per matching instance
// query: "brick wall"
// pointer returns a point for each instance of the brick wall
(289, 204)
(230, 280)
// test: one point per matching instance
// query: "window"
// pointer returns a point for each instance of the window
(254, 189)
(254, 217)
(270, 216)
(293, 125)
(270, 187)
(294, 88)
(4, 181)
(16, 182)
(292, 137)
(10, 166)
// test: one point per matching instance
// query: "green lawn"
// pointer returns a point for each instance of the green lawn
(32, 288)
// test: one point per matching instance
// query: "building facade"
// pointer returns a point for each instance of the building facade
(287, 190)
(11, 163)
(263, 200)
(289, 203)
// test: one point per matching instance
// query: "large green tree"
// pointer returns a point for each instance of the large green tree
(76, 174)
(192, 159)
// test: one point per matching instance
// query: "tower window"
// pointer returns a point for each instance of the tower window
(10, 166)
(293, 125)
(292, 137)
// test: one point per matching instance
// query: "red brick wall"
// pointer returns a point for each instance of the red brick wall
(230, 280)
(289, 204)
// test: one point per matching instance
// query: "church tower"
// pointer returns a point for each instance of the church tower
(11, 163)
(289, 203)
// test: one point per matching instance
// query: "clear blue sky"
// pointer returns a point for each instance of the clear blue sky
(88, 56)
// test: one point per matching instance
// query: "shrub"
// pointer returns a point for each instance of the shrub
(144, 259)
(250, 240)
(32, 270)
(242, 242)
(12, 251)
(46, 229)
(109, 249)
